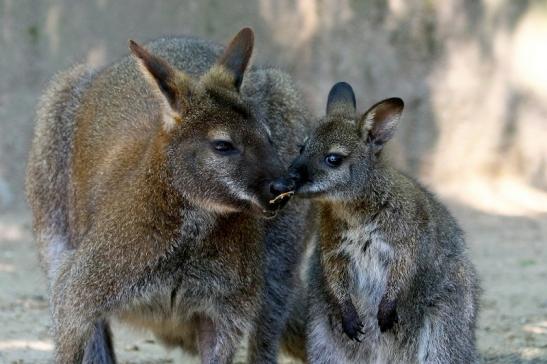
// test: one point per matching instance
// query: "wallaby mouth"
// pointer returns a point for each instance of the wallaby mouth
(278, 202)
(275, 205)
(269, 211)
(281, 190)
(285, 196)
(273, 196)
(305, 188)
(269, 208)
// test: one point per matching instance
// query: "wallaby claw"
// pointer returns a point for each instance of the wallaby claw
(351, 324)
(354, 331)
(387, 315)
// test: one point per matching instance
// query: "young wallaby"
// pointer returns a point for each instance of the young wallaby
(390, 268)
(149, 181)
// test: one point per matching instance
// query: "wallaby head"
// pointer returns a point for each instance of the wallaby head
(219, 155)
(337, 160)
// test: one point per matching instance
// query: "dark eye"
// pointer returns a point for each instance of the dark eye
(334, 160)
(301, 148)
(224, 147)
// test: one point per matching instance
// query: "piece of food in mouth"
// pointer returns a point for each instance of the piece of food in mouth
(282, 196)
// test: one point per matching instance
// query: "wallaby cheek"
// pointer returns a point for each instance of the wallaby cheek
(319, 181)
(195, 173)
(335, 182)
(234, 180)
(257, 181)
(336, 176)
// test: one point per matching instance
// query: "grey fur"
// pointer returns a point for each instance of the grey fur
(389, 280)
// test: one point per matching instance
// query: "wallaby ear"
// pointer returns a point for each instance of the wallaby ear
(380, 121)
(237, 55)
(341, 99)
(172, 84)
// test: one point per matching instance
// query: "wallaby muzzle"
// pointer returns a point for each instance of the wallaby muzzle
(282, 185)
(298, 173)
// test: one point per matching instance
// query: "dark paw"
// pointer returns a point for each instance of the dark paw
(387, 315)
(351, 324)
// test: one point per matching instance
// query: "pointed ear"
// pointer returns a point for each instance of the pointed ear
(237, 55)
(341, 99)
(173, 85)
(380, 121)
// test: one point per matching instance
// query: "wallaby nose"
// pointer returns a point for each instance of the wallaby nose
(281, 185)
(294, 175)
(298, 173)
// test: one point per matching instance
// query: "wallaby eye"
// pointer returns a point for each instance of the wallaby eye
(334, 160)
(224, 147)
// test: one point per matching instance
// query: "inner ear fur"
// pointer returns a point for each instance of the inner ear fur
(381, 120)
(172, 85)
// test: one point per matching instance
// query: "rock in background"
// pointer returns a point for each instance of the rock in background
(473, 74)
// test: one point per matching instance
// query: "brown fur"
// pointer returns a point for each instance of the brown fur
(138, 216)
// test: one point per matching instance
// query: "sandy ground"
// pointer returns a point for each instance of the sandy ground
(510, 253)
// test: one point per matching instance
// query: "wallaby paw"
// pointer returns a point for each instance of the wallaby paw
(351, 323)
(353, 329)
(387, 315)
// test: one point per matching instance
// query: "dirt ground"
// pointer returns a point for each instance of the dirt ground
(510, 252)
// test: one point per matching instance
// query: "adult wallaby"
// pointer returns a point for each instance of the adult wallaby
(149, 181)
(390, 268)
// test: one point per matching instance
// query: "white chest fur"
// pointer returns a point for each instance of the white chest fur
(370, 257)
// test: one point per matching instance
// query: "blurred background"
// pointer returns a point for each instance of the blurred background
(473, 74)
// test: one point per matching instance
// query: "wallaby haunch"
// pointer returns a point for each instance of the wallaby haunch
(149, 181)
(390, 268)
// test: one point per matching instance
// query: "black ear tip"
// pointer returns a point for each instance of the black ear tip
(136, 48)
(342, 84)
(397, 102)
(248, 32)
(246, 36)
(341, 92)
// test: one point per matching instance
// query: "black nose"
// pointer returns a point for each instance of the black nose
(281, 185)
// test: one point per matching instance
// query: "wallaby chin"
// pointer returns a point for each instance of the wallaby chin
(310, 193)
(319, 193)
(244, 207)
